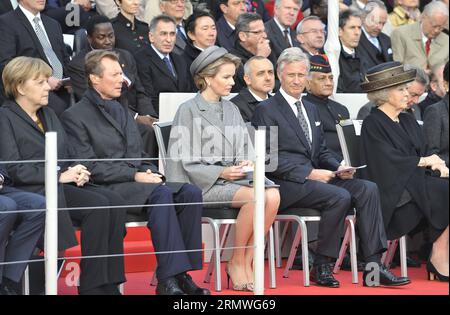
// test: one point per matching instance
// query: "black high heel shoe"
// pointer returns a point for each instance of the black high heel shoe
(434, 274)
(236, 287)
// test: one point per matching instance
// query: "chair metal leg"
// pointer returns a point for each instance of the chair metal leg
(305, 253)
(211, 264)
(353, 258)
(271, 250)
(390, 253)
(343, 250)
(276, 228)
(218, 272)
(292, 253)
(122, 288)
(26, 282)
(403, 261)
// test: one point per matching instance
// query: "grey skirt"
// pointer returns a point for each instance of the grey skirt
(223, 193)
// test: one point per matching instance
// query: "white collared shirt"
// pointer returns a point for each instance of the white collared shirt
(350, 51)
(231, 25)
(201, 49)
(162, 56)
(14, 4)
(424, 39)
(373, 40)
(291, 101)
(259, 99)
(30, 18)
(282, 28)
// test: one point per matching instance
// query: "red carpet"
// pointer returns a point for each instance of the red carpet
(138, 284)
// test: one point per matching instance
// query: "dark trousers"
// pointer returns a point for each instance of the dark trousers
(102, 233)
(334, 200)
(176, 228)
(20, 244)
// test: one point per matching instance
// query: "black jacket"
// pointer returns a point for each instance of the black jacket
(370, 55)
(5, 6)
(133, 96)
(190, 53)
(226, 36)
(245, 55)
(351, 73)
(277, 40)
(331, 113)
(246, 103)
(21, 139)
(127, 38)
(155, 75)
(95, 134)
(432, 98)
(295, 159)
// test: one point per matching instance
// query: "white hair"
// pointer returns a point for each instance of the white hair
(435, 7)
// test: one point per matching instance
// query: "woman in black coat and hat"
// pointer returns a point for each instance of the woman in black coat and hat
(413, 186)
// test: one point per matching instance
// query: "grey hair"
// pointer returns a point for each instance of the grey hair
(160, 18)
(380, 97)
(372, 5)
(278, 3)
(309, 18)
(249, 62)
(290, 55)
(421, 76)
(435, 7)
(244, 20)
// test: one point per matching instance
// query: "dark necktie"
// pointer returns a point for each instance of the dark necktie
(180, 33)
(427, 46)
(169, 66)
(303, 122)
(286, 37)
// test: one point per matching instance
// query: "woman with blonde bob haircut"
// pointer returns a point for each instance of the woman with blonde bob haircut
(24, 120)
(211, 136)
(413, 184)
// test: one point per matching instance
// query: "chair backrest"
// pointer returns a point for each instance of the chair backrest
(162, 132)
(349, 132)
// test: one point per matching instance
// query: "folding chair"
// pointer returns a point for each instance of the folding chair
(219, 219)
(349, 132)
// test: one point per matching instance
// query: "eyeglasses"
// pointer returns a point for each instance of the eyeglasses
(315, 32)
(255, 32)
(175, 1)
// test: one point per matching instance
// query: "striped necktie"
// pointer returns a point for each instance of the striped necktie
(303, 122)
(48, 50)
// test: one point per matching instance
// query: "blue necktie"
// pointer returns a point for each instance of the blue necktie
(170, 66)
(181, 33)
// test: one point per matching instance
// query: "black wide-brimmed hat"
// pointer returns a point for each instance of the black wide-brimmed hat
(386, 75)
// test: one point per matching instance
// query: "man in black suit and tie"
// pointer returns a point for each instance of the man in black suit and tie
(279, 30)
(100, 128)
(259, 75)
(100, 35)
(226, 24)
(161, 70)
(26, 32)
(176, 9)
(28, 228)
(306, 173)
(374, 46)
(7, 5)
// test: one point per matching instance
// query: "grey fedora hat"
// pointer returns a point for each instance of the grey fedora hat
(206, 57)
(386, 75)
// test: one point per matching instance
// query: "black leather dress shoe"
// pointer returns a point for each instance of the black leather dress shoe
(322, 275)
(169, 287)
(387, 278)
(186, 284)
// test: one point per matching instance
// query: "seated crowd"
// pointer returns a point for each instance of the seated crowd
(103, 97)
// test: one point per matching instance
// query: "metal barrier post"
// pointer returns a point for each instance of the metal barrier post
(258, 221)
(51, 220)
